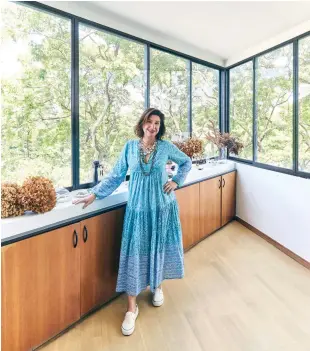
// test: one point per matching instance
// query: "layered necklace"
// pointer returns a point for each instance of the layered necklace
(145, 151)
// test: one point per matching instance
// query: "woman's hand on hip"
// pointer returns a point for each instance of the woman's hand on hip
(170, 186)
(86, 200)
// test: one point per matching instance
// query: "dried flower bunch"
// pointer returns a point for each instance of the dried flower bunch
(38, 194)
(191, 147)
(10, 200)
(223, 140)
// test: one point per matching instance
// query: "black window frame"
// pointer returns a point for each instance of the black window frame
(75, 21)
(224, 100)
(295, 171)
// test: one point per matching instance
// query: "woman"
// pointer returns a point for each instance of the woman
(151, 249)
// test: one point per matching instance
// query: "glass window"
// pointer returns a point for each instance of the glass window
(111, 96)
(205, 102)
(304, 105)
(274, 97)
(169, 91)
(36, 95)
(241, 107)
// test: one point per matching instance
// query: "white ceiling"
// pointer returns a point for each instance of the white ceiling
(224, 28)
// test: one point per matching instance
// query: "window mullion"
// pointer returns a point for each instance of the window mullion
(189, 98)
(295, 106)
(254, 110)
(75, 103)
(147, 77)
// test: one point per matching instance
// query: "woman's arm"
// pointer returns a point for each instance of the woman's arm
(115, 177)
(182, 160)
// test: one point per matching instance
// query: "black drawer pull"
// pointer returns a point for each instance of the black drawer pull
(85, 234)
(224, 182)
(219, 183)
(75, 238)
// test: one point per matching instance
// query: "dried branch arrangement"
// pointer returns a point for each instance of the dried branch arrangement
(191, 146)
(223, 140)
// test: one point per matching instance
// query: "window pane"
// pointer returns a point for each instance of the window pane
(241, 107)
(169, 90)
(304, 105)
(111, 96)
(205, 102)
(36, 97)
(274, 98)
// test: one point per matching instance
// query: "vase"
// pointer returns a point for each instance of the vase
(223, 154)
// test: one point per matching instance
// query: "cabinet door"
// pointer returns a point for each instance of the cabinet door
(40, 288)
(100, 250)
(188, 200)
(228, 197)
(210, 206)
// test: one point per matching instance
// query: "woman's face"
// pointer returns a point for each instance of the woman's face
(151, 127)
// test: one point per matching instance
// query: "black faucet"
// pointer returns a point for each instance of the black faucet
(96, 165)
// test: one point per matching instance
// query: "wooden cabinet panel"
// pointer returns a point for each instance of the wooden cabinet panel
(100, 258)
(188, 200)
(210, 206)
(40, 288)
(228, 197)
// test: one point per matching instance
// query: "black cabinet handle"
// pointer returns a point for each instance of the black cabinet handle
(75, 238)
(85, 234)
(224, 182)
(219, 183)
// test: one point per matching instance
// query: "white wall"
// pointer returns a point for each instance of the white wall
(92, 12)
(276, 204)
(273, 41)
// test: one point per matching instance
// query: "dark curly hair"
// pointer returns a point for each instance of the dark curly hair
(144, 118)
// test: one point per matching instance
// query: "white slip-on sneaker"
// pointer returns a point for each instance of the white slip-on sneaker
(129, 322)
(158, 297)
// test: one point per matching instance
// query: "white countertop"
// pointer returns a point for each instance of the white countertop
(15, 227)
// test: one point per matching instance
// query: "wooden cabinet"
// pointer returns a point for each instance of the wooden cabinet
(228, 197)
(217, 202)
(210, 206)
(40, 287)
(206, 207)
(51, 280)
(189, 214)
(100, 247)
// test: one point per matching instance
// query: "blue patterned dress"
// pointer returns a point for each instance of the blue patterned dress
(152, 248)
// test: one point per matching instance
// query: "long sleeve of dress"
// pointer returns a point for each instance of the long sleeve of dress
(114, 178)
(183, 161)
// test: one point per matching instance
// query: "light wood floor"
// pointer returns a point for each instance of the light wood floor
(239, 293)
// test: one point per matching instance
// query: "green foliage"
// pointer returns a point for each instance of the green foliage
(36, 98)
(274, 106)
(169, 90)
(111, 96)
(274, 97)
(304, 105)
(205, 103)
(36, 111)
(240, 109)
(36, 127)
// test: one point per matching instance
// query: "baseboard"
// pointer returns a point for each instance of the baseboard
(275, 243)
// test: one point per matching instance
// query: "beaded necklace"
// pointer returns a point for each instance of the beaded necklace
(144, 152)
